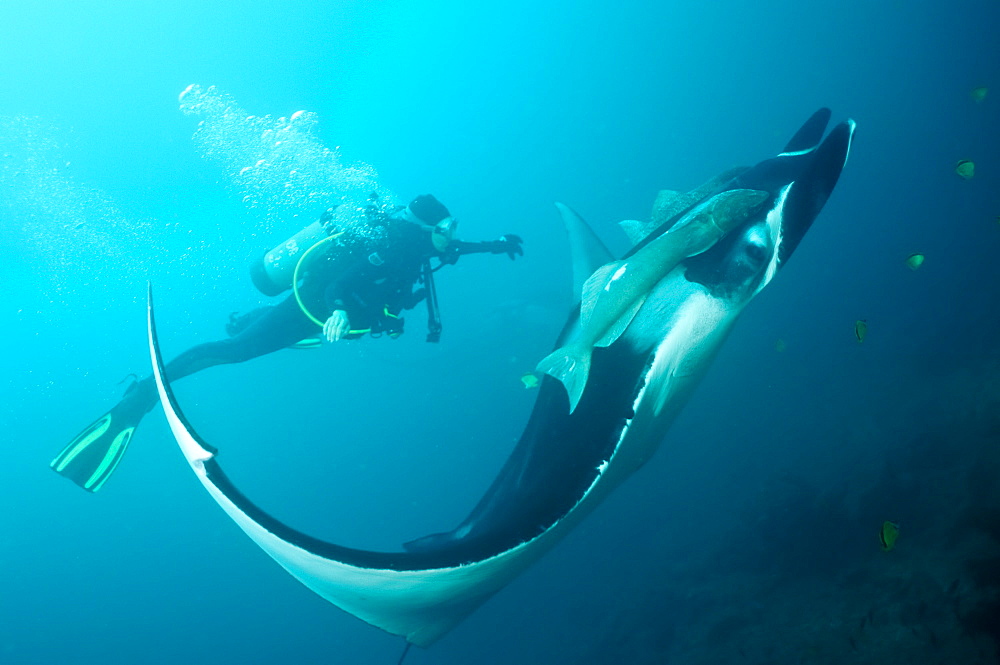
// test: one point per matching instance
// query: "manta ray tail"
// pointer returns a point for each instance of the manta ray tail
(571, 365)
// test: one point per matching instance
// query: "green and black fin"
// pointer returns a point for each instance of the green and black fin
(93, 454)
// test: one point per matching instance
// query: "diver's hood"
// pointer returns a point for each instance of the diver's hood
(408, 215)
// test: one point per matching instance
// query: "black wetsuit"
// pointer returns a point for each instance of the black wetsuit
(372, 286)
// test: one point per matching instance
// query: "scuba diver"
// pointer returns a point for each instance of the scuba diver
(347, 283)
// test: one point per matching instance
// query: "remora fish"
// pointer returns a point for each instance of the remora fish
(564, 464)
(616, 291)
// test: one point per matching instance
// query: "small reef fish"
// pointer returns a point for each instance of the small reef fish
(914, 261)
(978, 93)
(965, 168)
(888, 535)
(860, 329)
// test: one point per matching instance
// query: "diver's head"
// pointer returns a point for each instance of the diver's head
(430, 214)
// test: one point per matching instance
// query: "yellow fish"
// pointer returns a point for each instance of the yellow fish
(530, 380)
(914, 261)
(860, 329)
(780, 345)
(965, 168)
(979, 93)
(888, 535)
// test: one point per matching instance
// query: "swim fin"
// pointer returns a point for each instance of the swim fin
(93, 454)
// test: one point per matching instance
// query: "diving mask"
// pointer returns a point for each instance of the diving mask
(443, 233)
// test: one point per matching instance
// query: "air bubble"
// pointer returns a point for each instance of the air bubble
(296, 175)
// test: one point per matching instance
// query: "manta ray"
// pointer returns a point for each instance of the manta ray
(565, 462)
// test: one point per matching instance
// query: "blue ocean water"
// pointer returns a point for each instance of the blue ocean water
(749, 538)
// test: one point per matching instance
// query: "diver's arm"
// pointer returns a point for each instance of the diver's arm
(341, 281)
(332, 283)
(508, 244)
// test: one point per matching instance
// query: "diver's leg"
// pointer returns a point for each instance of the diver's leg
(278, 328)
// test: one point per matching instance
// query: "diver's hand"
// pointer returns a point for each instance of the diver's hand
(336, 326)
(510, 245)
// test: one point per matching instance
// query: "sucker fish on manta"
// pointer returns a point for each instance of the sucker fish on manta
(564, 464)
(616, 291)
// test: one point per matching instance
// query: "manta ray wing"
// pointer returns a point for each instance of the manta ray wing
(419, 596)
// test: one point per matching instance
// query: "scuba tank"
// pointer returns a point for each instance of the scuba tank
(272, 272)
